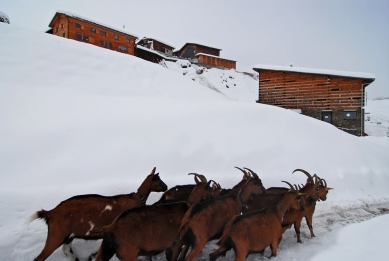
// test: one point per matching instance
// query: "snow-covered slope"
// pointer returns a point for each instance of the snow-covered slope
(78, 119)
(377, 118)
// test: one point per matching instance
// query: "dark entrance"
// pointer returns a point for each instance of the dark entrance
(326, 116)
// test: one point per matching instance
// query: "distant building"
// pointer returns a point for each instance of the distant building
(204, 55)
(153, 50)
(331, 96)
(4, 18)
(72, 26)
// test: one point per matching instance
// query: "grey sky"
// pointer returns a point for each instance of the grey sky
(346, 35)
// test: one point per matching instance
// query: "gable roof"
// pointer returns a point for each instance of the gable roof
(154, 40)
(366, 76)
(176, 50)
(90, 21)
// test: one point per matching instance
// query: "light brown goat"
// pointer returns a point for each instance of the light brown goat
(205, 221)
(147, 230)
(253, 232)
(77, 216)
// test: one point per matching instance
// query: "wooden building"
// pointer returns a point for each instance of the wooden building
(153, 50)
(72, 26)
(331, 96)
(204, 55)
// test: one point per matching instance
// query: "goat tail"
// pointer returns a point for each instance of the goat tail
(42, 214)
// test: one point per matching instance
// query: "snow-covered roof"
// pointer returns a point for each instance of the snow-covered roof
(205, 54)
(156, 52)
(368, 76)
(154, 40)
(91, 21)
(4, 17)
(176, 50)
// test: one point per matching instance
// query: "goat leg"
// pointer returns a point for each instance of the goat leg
(297, 226)
(309, 223)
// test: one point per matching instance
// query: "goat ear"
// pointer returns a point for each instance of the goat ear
(153, 171)
(329, 188)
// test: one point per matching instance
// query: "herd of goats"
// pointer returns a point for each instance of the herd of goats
(246, 218)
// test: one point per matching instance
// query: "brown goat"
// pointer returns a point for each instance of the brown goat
(147, 230)
(205, 221)
(310, 206)
(182, 192)
(294, 216)
(253, 232)
(77, 216)
(235, 189)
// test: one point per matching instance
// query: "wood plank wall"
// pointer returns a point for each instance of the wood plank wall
(67, 26)
(217, 62)
(293, 90)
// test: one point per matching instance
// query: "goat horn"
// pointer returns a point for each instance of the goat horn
(324, 182)
(290, 185)
(306, 173)
(209, 182)
(299, 187)
(241, 170)
(201, 177)
(252, 173)
(218, 184)
(296, 188)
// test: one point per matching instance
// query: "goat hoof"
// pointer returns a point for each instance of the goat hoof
(299, 241)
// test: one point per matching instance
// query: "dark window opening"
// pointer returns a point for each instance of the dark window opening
(85, 38)
(106, 44)
(128, 40)
(350, 115)
(122, 48)
(79, 37)
(103, 33)
(93, 30)
(116, 37)
(64, 34)
(326, 116)
(78, 25)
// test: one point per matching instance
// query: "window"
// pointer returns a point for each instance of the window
(106, 44)
(103, 33)
(78, 25)
(64, 34)
(56, 29)
(93, 30)
(128, 40)
(79, 37)
(122, 48)
(350, 115)
(85, 38)
(62, 26)
(116, 37)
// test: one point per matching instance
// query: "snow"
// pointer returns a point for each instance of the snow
(79, 119)
(377, 117)
(154, 40)
(156, 52)
(368, 76)
(92, 21)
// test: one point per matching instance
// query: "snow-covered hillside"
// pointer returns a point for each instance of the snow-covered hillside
(78, 119)
(377, 118)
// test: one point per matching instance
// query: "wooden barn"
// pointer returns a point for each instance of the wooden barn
(204, 55)
(153, 50)
(331, 96)
(82, 29)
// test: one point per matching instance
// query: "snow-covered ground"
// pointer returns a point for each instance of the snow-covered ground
(78, 119)
(377, 118)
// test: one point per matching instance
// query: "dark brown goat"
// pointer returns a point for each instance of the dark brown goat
(77, 216)
(205, 221)
(253, 232)
(147, 230)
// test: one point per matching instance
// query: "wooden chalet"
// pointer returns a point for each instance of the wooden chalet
(204, 55)
(72, 26)
(331, 96)
(154, 50)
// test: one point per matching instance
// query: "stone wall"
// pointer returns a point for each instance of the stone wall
(338, 119)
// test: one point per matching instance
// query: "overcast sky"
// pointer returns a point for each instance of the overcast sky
(343, 35)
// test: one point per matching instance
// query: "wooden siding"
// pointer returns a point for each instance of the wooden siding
(190, 50)
(216, 62)
(158, 46)
(306, 91)
(65, 26)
